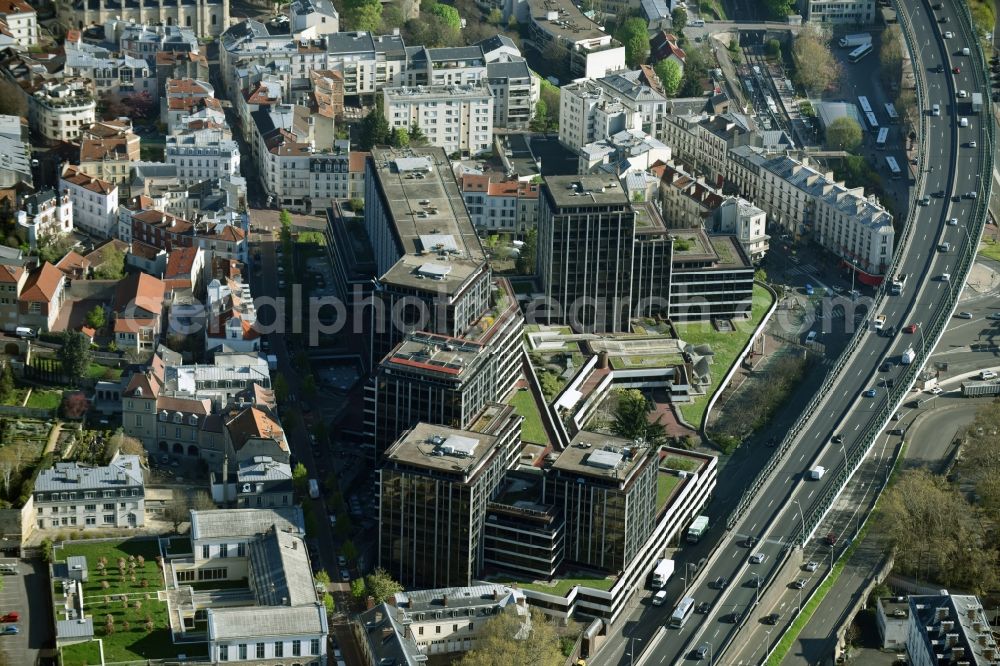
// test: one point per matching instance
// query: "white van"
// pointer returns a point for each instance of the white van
(964, 122)
(936, 110)
(945, 277)
(660, 598)
(811, 337)
(965, 51)
(962, 94)
(24, 332)
(699, 23)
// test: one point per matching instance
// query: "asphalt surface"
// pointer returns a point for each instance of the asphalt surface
(774, 517)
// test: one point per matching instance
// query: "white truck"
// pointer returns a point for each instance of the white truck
(977, 102)
(879, 322)
(698, 528)
(817, 472)
(908, 356)
(662, 572)
(853, 41)
(896, 286)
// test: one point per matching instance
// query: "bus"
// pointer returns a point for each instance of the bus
(865, 106)
(872, 121)
(883, 134)
(682, 612)
(893, 167)
(890, 111)
(749, 85)
(860, 52)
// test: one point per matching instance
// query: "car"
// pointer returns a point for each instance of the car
(889, 332)
(949, 35)
(800, 583)
(962, 94)
(964, 315)
(993, 316)
(750, 542)
(345, 575)
(811, 566)
(772, 618)
(939, 194)
(704, 607)
(10, 617)
(987, 374)
(341, 561)
(830, 539)
(887, 366)
(956, 198)
(731, 618)
(721, 582)
(870, 393)
(333, 520)
(660, 598)
(972, 144)
(838, 439)
(956, 70)
(945, 277)
(936, 390)
(910, 328)
(953, 222)
(758, 558)
(809, 290)
(943, 19)
(755, 580)
(11, 629)
(701, 652)
(926, 201)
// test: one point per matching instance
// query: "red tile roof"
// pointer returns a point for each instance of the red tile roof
(10, 274)
(72, 174)
(42, 284)
(139, 290)
(180, 262)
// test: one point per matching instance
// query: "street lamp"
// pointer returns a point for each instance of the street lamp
(844, 451)
(631, 650)
(802, 520)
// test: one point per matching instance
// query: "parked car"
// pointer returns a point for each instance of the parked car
(11, 629)
(964, 315)
(10, 617)
(345, 575)
(758, 558)
(341, 561)
(811, 566)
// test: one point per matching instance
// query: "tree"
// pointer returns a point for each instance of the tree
(695, 71)
(815, 66)
(760, 275)
(634, 36)
(178, 510)
(679, 19)
(112, 266)
(417, 138)
(773, 47)
(393, 18)
(349, 550)
(52, 248)
(285, 220)
(75, 355)
(778, 9)
(95, 318)
(358, 588)
(448, 14)
(280, 385)
(12, 99)
(844, 133)
(632, 418)
(400, 138)
(363, 15)
(374, 129)
(300, 478)
(495, 17)
(502, 642)
(890, 55)
(380, 585)
(670, 75)
(525, 263)
(6, 383)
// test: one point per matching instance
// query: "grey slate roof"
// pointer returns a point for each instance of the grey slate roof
(279, 570)
(264, 621)
(398, 647)
(476, 596)
(496, 42)
(455, 53)
(350, 42)
(66, 629)
(517, 69)
(218, 523)
(123, 472)
(263, 468)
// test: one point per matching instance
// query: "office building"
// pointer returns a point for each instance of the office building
(435, 483)
(711, 278)
(839, 12)
(949, 629)
(71, 495)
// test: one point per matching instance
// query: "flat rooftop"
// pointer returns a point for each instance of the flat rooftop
(600, 456)
(435, 354)
(587, 190)
(564, 19)
(442, 449)
(441, 250)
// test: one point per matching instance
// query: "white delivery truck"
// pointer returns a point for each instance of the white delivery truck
(698, 527)
(853, 41)
(662, 572)
(817, 472)
(908, 356)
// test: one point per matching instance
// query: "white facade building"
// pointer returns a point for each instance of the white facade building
(738, 217)
(507, 206)
(202, 155)
(95, 202)
(111, 74)
(313, 18)
(592, 110)
(21, 20)
(458, 118)
(46, 213)
(853, 12)
(60, 110)
(72, 495)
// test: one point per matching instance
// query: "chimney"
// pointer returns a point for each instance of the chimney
(496, 594)
(444, 601)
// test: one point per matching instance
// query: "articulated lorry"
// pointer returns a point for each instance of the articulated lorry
(977, 389)
(854, 41)
(662, 572)
(698, 527)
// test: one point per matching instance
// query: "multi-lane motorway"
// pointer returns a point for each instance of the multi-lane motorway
(774, 521)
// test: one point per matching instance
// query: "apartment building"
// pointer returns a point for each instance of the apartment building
(206, 18)
(183, 97)
(231, 317)
(949, 629)
(94, 201)
(22, 21)
(592, 110)
(261, 482)
(738, 217)
(108, 150)
(45, 214)
(15, 158)
(422, 623)
(586, 231)
(60, 110)
(434, 485)
(839, 12)
(449, 66)
(500, 206)
(591, 52)
(140, 40)
(702, 141)
(222, 382)
(72, 495)
(856, 229)
(202, 155)
(110, 73)
(457, 118)
(310, 19)
(515, 93)
(625, 152)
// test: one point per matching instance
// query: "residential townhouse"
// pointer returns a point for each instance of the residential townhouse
(22, 21)
(310, 19)
(184, 268)
(147, 41)
(254, 432)
(500, 206)
(592, 110)
(179, 65)
(261, 482)
(664, 46)
(108, 150)
(12, 279)
(59, 110)
(457, 118)
(203, 154)
(137, 311)
(702, 141)
(41, 298)
(622, 153)
(71, 495)
(231, 317)
(737, 217)
(182, 97)
(94, 201)
(45, 214)
(222, 235)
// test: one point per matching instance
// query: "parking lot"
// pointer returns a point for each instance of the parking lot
(26, 594)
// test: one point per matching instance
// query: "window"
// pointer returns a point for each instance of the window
(314, 646)
(241, 548)
(109, 506)
(223, 653)
(279, 649)
(420, 631)
(205, 551)
(109, 519)
(260, 650)
(185, 576)
(243, 650)
(296, 648)
(224, 550)
(90, 520)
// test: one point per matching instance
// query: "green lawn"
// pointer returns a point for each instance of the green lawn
(134, 643)
(531, 428)
(44, 399)
(726, 346)
(81, 654)
(97, 371)
(665, 484)
(990, 250)
(633, 361)
(680, 463)
(560, 587)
